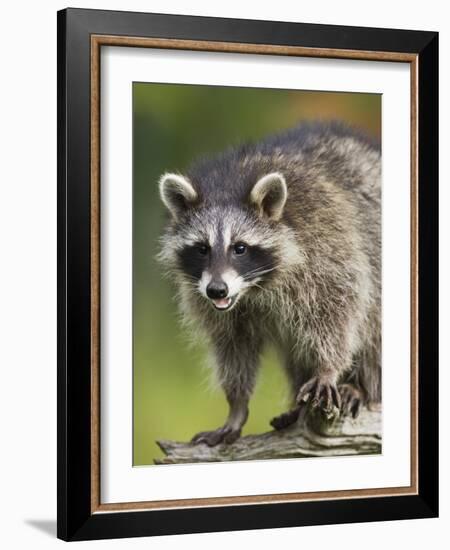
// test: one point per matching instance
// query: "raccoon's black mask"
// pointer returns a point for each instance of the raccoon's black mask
(223, 249)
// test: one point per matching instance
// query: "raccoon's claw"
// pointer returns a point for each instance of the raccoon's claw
(225, 434)
(321, 391)
(286, 419)
(352, 400)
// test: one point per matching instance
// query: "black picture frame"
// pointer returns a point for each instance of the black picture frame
(76, 521)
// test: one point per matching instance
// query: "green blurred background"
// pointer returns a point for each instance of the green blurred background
(172, 124)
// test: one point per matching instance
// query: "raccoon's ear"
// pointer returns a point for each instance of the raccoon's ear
(177, 193)
(269, 195)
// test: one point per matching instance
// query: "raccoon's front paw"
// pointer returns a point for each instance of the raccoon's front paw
(225, 434)
(352, 400)
(322, 392)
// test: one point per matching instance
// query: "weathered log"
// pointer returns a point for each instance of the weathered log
(312, 435)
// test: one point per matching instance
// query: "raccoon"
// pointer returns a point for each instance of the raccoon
(279, 243)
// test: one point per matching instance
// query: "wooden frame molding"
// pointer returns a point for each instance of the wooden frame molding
(96, 42)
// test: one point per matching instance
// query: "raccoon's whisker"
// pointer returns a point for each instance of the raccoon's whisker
(263, 266)
(260, 287)
(257, 273)
(190, 284)
(258, 269)
(189, 278)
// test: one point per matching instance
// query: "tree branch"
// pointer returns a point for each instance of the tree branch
(312, 435)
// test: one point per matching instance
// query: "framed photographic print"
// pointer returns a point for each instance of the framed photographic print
(247, 257)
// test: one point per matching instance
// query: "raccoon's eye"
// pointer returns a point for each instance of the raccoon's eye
(202, 249)
(239, 249)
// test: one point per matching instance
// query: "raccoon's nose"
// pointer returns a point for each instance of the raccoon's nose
(216, 290)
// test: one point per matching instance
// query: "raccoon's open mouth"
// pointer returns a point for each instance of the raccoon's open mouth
(224, 303)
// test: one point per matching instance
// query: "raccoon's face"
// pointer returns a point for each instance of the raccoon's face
(222, 251)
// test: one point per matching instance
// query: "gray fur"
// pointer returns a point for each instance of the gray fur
(320, 305)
